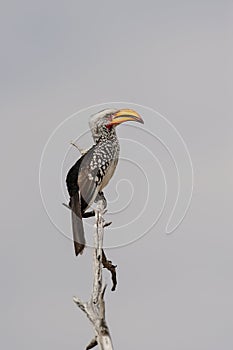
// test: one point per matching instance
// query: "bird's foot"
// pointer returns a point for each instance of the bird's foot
(100, 197)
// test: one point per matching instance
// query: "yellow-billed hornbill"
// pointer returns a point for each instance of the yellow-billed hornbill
(92, 172)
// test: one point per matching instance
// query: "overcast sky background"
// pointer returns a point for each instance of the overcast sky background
(57, 57)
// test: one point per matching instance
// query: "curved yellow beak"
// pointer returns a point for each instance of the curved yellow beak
(125, 115)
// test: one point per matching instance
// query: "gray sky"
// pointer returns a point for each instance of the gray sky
(57, 57)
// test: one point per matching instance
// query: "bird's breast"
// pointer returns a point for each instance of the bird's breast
(110, 169)
(97, 169)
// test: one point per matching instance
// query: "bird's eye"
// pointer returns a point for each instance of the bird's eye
(109, 116)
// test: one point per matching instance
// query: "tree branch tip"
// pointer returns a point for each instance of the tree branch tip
(76, 300)
(106, 224)
(81, 150)
(92, 344)
(66, 205)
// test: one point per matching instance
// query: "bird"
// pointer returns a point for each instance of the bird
(92, 172)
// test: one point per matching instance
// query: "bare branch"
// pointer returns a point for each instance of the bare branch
(92, 344)
(107, 264)
(95, 308)
(67, 206)
(81, 150)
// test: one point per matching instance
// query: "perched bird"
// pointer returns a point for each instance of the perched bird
(92, 172)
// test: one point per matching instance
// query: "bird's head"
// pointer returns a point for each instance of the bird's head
(109, 118)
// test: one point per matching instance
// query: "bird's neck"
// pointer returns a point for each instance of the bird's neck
(108, 134)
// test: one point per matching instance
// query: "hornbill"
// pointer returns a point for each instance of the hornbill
(93, 170)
